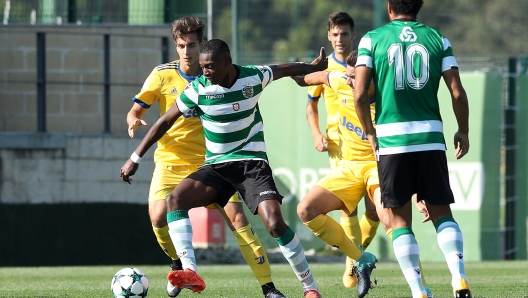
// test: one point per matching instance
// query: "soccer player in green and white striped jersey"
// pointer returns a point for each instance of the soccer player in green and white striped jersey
(407, 60)
(226, 100)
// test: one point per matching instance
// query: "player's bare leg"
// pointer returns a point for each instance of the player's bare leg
(361, 232)
(312, 211)
(368, 223)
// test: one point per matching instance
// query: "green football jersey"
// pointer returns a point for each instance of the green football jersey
(407, 60)
(230, 117)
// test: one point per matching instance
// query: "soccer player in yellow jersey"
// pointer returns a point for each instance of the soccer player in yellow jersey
(354, 175)
(341, 33)
(181, 151)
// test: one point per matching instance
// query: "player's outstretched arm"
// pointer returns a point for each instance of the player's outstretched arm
(315, 78)
(461, 110)
(362, 102)
(312, 116)
(134, 118)
(295, 69)
(155, 133)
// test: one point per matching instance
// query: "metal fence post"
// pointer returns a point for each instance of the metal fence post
(41, 82)
(511, 150)
(107, 83)
(164, 49)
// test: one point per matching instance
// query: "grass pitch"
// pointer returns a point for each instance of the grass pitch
(487, 279)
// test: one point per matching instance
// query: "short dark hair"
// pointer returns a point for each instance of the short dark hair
(351, 59)
(339, 19)
(187, 25)
(409, 7)
(215, 47)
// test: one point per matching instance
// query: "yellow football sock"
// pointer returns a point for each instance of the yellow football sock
(368, 230)
(332, 233)
(254, 253)
(389, 233)
(164, 240)
(352, 230)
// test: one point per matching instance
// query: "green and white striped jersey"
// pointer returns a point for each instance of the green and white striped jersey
(407, 59)
(231, 119)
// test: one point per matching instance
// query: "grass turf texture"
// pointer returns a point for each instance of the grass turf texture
(487, 279)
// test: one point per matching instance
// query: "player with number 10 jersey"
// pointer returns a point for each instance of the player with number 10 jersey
(408, 56)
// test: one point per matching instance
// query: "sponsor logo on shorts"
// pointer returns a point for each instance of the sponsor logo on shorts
(267, 192)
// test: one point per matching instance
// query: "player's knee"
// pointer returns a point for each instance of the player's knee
(302, 211)
(276, 227)
(240, 220)
(372, 214)
(175, 201)
(158, 220)
(385, 222)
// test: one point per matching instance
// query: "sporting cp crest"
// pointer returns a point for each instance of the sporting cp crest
(236, 106)
(247, 91)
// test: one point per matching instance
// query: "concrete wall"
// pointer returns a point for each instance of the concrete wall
(59, 168)
(75, 74)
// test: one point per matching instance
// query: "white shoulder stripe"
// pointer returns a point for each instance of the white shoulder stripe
(181, 106)
(448, 63)
(364, 60)
(365, 43)
(191, 93)
(446, 42)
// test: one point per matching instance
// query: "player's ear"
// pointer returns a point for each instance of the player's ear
(228, 60)
(353, 34)
(202, 43)
(328, 36)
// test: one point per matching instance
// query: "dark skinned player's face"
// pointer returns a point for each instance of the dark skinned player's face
(214, 69)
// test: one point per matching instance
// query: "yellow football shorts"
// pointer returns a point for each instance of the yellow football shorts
(333, 157)
(350, 181)
(166, 178)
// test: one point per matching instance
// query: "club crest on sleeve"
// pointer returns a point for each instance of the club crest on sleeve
(247, 91)
(262, 69)
(236, 106)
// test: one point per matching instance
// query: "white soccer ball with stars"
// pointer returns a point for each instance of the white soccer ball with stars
(129, 283)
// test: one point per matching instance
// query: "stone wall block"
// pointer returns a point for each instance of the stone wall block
(115, 148)
(91, 147)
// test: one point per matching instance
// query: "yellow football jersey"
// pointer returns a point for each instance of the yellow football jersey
(184, 142)
(331, 103)
(353, 145)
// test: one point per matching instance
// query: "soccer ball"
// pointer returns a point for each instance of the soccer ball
(129, 283)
